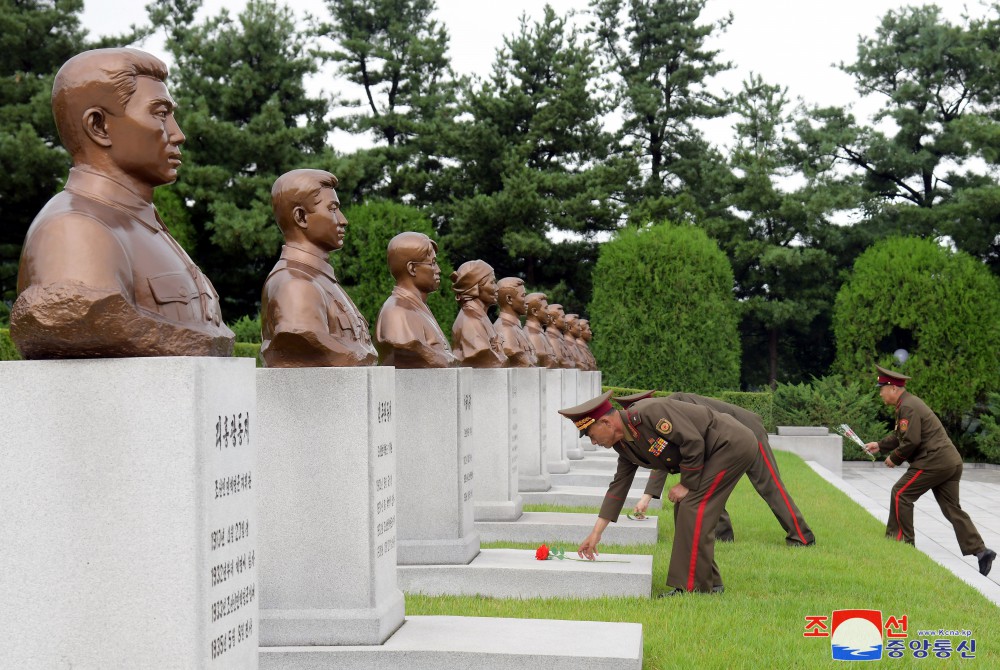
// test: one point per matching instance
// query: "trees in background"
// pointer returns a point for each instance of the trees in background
(663, 311)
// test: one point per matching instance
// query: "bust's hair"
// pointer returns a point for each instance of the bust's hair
(104, 78)
(508, 286)
(298, 188)
(406, 247)
(533, 300)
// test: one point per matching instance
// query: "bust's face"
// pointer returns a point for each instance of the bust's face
(488, 290)
(517, 301)
(326, 223)
(426, 274)
(145, 137)
(557, 318)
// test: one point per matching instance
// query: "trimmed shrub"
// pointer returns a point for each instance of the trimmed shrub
(831, 401)
(8, 352)
(942, 306)
(361, 265)
(663, 311)
(248, 350)
(247, 329)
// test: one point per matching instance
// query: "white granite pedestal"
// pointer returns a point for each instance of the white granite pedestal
(584, 392)
(328, 506)
(812, 443)
(434, 467)
(495, 445)
(483, 643)
(527, 427)
(570, 434)
(128, 530)
(552, 399)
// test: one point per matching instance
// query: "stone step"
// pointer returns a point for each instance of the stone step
(598, 478)
(515, 573)
(581, 496)
(567, 527)
(450, 643)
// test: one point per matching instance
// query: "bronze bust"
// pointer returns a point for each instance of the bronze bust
(406, 333)
(570, 339)
(476, 342)
(516, 346)
(100, 275)
(586, 335)
(554, 334)
(307, 319)
(536, 319)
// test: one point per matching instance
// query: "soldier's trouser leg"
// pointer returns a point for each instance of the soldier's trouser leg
(913, 484)
(946, 494)
(692, 558)
(724, 529)
(766, 479)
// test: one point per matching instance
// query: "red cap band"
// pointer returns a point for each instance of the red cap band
(883, 379)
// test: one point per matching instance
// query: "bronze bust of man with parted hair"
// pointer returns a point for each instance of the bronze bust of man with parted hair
(306, 317)
(511, 299)
(100, 275)
(554, 334)
(406, 333)
(570, 339)
(476, 342)
(534, 327)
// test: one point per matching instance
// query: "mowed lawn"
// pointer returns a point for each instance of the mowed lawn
(771, 588)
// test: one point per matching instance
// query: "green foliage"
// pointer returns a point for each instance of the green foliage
(361, 265)
(831, 401)
(663, 312)
(240, 87)
(657, 49)
(987, 439)
(247, 329)
(8, 352)
(943, 307)
(248, 350)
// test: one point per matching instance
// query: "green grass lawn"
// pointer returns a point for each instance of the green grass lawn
(770, 588)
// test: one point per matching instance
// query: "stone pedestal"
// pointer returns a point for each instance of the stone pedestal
(570, 435)
(528, 429)
(434, 467)
(555, 454)
(811, 443)
(128, 532)
(328, 449)
(584, 392)
(495, 445)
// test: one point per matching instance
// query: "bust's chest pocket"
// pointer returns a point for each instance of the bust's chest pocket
(176, 296)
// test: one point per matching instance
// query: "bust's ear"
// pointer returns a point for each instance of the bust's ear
(95, 125)
(410, 270)
(299, 217)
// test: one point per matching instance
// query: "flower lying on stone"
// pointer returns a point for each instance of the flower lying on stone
(542, 553)
(545, 553)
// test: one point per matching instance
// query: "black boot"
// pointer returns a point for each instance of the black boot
(986, 557)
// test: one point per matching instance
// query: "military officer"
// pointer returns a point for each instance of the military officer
(935, 465)
(763, 474)
(711, 451)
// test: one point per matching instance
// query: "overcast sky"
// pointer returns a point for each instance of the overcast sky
(789, 42)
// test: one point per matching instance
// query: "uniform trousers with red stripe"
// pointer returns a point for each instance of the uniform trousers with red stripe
(944, 484)
(763, 474)
(692, 558)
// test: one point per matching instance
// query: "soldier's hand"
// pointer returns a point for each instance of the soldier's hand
(889, 463)
(642, 505)
(588, 549)
(677, 493)
(872, 447)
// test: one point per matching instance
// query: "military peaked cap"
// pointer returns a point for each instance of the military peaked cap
(886, 376)
(586, 414)
(626, 400)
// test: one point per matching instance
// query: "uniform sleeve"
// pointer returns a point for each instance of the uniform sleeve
(657, 479)
(908, 425)
(614, 499)
(888, 443)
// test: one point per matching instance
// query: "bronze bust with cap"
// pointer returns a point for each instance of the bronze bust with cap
(476, 342)
(513, 305)
(100, 274)
(307, 319)
(406, 333)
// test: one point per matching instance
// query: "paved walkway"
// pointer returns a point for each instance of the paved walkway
(869, 485)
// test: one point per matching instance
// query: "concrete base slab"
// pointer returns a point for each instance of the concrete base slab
(581, 496)
(598, 478)
(484, 643)
(515, 573)
(591, 463)
(567, 527)
(557, 467)
(533, 482)
(574, 453)
(499, 510)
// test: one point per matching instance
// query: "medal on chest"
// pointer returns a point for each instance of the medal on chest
(657, 445)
